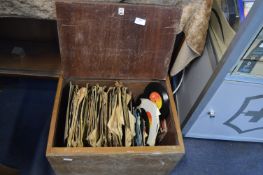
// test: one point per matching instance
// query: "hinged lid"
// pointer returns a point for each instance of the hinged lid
(116, 40)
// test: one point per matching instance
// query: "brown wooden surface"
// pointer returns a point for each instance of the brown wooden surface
(116, 160)
(98, 45)
(178, 132)
(96, 42)
(27, 29)
(40, 59)
(156, 2)
(39, 41)
(53, 122)
(4, 170)
(112, 164)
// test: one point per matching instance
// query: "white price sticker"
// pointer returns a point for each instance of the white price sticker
(67, 159)
(121, 11)
(140, 21)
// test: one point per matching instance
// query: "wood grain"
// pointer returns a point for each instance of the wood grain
(38, 41)
(96, 42)
(54, 117)
(99, 46)
(116, 160)
(132, 164)
(175, 115)
(40, 59)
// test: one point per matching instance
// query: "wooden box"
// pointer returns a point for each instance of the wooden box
(98, 44)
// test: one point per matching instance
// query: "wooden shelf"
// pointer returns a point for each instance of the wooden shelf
(38, 45)
(39, 58)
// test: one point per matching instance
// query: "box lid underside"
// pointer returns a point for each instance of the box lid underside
(97, 42)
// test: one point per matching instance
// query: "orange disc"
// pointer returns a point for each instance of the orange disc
(156, 98)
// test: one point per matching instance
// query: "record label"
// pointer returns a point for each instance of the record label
(158, 94)
(156, 98)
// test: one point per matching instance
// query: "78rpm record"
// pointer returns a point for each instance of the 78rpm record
(158, 94)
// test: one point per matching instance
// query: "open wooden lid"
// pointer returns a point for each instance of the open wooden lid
(116, 40)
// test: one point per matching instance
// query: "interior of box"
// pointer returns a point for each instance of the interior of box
(135, 86)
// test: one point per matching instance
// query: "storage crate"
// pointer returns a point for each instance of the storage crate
(98, 44)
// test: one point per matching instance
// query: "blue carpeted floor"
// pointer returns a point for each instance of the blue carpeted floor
(210, 157)
(25, 111)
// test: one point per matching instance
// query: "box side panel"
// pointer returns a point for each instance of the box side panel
(174, 115)
(115, 164)
(54, 116)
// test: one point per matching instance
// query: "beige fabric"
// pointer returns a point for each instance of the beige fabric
(220, 42)
(185, 56)
(194, 23)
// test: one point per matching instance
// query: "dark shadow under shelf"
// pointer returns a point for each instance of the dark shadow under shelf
(29, 47)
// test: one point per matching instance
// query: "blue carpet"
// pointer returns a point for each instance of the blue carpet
(25, 111)
(205, 157)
